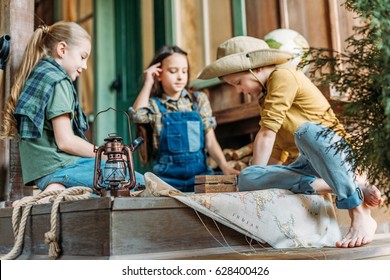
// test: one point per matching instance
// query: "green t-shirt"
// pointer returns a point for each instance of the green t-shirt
(41, 156)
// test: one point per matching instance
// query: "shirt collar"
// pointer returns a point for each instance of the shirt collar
(165, 98)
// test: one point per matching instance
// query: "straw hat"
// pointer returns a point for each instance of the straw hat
(242, 53)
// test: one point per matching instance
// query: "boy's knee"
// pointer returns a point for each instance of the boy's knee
(248, 179)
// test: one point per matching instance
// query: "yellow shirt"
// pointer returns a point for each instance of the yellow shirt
(291, 100)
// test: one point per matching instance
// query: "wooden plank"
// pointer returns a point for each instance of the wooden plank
(100, 233)
(262, 16)
(215, 188)
(239, 18)
(86, 233)
(17, 19)
(65, 206)
(86, 204)
(82, 232)
(134, 203)
(239, 128)
(242, 112)
(163, 230)
(6, 234)
(216, 179)
(169, 231)
(379, 248)
(193, 254)
(215, 183)
(223, 96)
(74, 206)
(6, 212)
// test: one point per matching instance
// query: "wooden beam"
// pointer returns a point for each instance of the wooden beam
(164, 23)
(284, 17)
(16, 19)
(239, 18)
(241, 112)
(104, 70)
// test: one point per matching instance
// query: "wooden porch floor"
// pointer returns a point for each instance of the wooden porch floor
(378, 249)
(162, 228)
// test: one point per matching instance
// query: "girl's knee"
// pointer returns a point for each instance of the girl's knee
(54, 187)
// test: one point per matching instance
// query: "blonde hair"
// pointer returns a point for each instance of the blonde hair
(41, 44)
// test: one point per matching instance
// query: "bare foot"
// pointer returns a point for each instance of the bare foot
(372, 196)
(362, 229)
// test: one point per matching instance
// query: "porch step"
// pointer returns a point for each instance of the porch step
(163, 228)
(379, 248)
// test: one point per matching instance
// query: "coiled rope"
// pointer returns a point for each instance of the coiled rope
(19, 223)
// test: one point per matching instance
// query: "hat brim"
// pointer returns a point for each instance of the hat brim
(244, 61)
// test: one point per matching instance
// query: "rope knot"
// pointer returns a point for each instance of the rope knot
(54, 248)
(50, 237)
(19, 223)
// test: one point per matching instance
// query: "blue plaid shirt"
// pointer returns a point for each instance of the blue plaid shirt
(30, 110)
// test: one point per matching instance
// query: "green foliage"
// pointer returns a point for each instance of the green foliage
(362, 72)
(273, 44)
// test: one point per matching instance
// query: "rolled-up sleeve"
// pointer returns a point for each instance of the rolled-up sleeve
(142, 115)
(282, 89)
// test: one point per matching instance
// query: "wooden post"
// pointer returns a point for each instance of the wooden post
(16, 19)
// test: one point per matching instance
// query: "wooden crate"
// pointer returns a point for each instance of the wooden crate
(126, 228)
(215, 183)
(159, 228)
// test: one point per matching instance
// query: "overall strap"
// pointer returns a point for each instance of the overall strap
(195, 99)
(160, 106)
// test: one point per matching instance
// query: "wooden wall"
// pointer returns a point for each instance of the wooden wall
(17, 19)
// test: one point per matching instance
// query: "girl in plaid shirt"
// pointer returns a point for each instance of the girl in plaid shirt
(44, 114)
(182, 122)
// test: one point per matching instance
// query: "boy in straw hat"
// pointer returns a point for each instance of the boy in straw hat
(295, 118)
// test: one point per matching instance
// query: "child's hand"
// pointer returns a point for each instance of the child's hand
(151, 72)
(228, 170)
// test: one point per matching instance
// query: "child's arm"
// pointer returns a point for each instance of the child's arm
(262, 147)
(216, 153)
(67, 141)
(144, 94)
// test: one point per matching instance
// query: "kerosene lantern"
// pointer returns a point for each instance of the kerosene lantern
(117, 176)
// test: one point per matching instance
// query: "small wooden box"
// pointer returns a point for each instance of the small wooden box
(215, 183)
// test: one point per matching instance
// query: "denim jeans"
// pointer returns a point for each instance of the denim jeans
(318, 158)
(80, 173)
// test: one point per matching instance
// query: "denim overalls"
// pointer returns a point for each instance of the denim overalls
(181, 153)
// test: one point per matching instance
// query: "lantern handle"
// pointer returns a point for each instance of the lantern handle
(116, 110)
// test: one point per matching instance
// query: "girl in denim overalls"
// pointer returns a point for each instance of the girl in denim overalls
(296, 118)
(182, 122)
